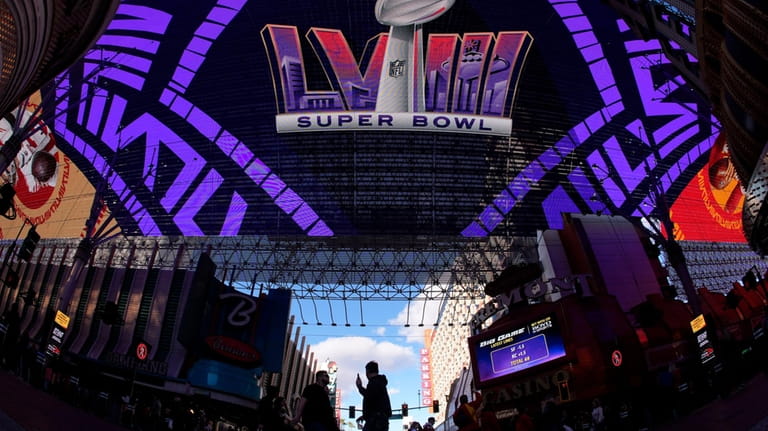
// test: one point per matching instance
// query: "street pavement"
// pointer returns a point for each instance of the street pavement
(25, 408)
(746, 409)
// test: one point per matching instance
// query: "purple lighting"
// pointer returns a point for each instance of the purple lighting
(129, 67)
(504, 202)
(474, 230)
(491, 218)
(201, 119)
(288, 201)
(550, 159)
(141, 18)
(586, 191)
(557, 203)
(185, 216)
(273, 185)
(258, 171)
(235, 216)
(580, 23)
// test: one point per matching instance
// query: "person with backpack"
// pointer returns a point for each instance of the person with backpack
(465, 416)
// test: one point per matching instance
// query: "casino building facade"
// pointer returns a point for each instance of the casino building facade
(600, 323)
(162, 292)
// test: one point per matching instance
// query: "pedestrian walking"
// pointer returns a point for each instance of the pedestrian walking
(314, 407)
(429, 425)
(465, 416)
(376, 406)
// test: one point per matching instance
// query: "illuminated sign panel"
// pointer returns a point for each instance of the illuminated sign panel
(231, 118)
(426, 378)
(62, 319)
(710, 207)
(706, 349)
(510, 350)
(698, 323)
(446, 73)
(56, 337)
(400, 121)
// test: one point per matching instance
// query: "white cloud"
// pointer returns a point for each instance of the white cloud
(416, 313)
(381, 331)
(352, 353)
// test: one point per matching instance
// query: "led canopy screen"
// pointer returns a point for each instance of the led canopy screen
(513, 349)
(242, 117)
(710, 207)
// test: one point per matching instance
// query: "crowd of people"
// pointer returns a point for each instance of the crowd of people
(117, 401)
(429, 425)
(475, 416)
(140, 408)
(313, 410)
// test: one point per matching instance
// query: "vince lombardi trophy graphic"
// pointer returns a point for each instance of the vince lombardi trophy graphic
(401, 86)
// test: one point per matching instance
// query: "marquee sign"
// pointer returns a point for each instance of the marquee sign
(426, 377)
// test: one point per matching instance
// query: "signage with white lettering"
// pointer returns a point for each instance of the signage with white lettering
(521, 389)
(536, 289)
(508, 350)
(242, 312)
(395, 121)
(60, 324)
(706, 349)
(131, 362)
(233, 349)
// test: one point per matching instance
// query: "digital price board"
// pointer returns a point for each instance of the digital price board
(509, 350)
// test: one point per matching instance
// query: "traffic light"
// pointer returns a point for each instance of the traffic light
(11, 279)
(404, 410)
(435, 406)
(29, 244)
(351, 412)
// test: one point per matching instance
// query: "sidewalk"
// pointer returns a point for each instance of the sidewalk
(25, 408)
(744, 410)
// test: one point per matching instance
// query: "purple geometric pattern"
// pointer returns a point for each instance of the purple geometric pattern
(195, 159)
(131, 69)
(682, 125)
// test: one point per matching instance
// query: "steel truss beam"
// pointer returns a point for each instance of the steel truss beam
(330, 269)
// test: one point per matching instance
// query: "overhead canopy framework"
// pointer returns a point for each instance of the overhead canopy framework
(335, 269)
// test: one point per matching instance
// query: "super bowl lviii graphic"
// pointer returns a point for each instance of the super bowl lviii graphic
(465, 84)
(464, 119)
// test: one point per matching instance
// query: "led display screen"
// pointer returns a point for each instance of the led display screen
(240, 117)
(710, 207)
(512, 349)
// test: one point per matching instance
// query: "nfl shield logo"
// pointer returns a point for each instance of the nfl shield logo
(396, 68)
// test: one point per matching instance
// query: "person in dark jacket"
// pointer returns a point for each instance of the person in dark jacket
(270, 411)
(314, 408)
(376, 406)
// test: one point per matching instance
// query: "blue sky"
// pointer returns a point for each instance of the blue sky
(384, 338)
